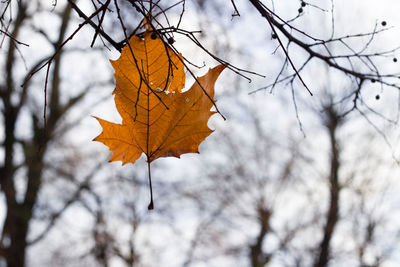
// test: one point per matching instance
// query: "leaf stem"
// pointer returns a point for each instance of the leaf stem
(151, 205)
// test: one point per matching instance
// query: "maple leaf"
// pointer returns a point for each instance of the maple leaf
(157, 118)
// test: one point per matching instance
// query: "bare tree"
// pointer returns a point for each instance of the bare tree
(255, 181)
(243, 191)
(29, 154)
(333, 120)
(268, 201)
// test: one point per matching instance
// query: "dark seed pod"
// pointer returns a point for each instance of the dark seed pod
(153, 35)
(383, 23)
(171, 40)
(394, 60)
(373, 80)
(303, 4)
(300, 10)
(273, 36)
(377, 97)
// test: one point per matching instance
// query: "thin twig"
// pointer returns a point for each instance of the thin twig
(88, 20)
(14, 39)
(236, 13)
(268, 17)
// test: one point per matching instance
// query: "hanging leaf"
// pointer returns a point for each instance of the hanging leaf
(157, 118)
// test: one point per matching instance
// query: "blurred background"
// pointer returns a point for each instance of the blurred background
(288, 179)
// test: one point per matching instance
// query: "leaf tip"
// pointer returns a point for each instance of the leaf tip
(219, 67)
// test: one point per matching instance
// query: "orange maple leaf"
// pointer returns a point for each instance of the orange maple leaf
(157, 118)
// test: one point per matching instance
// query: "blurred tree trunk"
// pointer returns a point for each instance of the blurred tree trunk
(19, 212)
(333, 121)
(15, 226)
(258, 257)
